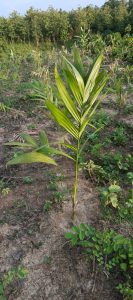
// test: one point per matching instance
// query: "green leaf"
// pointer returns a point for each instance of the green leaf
(72, 82)
(43, 138)
(114, 188)
(114, 200)
(51, 151)
(19, 144)
(123, 266)
(92, 78)
(62, 119)
(94, 95)
(69, 235)
(69, 146)
(22, 272)
(88, 119)
(28, 139)
(1, 289)
(81, 235)
(78, 61)
(77, 76)
(65, 97)
(31, 157)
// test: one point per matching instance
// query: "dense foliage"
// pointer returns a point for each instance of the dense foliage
(60, 26)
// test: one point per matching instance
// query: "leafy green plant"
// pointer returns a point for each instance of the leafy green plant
(119, 136)
(31, 126)
(52, 186)
(5, 191)
(4, 107)
(126, 210)
(47, 259)
(130, 177)
(121, 98)
(110, 195)
(101, 119)
(123, 163)
(27, 180)
(2, 184)
(39, 153)
(126, 290)
(80, 104)
(105, 246)
(128, 109)
(112, 251)
(18, 273)
(59, 196)
(96, 149)
(47, 205)
(41, 150)
(95, 171)
(115, 164)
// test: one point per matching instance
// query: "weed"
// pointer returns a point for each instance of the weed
(92, 137)
(27, 180)
(110, 195)
(112, 251)
(47, 205)
(47, 259)
(130, 177)
(5, 191)
(95, 171)
(115, 164)
(119, 136)
(52, 186)
(18, 273)
(125, 289)
(59, 196)
(128, 109)
(101, 119)
(96, 149)
(123, 163)
(126, 211)
(31, 126)
(2, 184)
(121, 95)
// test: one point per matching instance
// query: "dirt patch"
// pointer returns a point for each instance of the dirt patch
(67, 275)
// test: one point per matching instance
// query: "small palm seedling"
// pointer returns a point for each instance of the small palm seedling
(79, 98)
(38, 151)
(83, 39)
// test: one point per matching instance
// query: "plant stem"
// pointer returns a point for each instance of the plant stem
(76, 177)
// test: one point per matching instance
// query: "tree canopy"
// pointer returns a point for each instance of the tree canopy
(58, 26)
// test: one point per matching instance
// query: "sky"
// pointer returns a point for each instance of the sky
(7, 6)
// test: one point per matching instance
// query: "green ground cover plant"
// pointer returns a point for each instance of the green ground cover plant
(108, 249)
(18, 273)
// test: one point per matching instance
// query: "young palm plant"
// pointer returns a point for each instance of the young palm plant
(39, 151)
(79, 96)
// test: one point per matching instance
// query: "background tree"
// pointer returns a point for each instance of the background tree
(58, 26)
